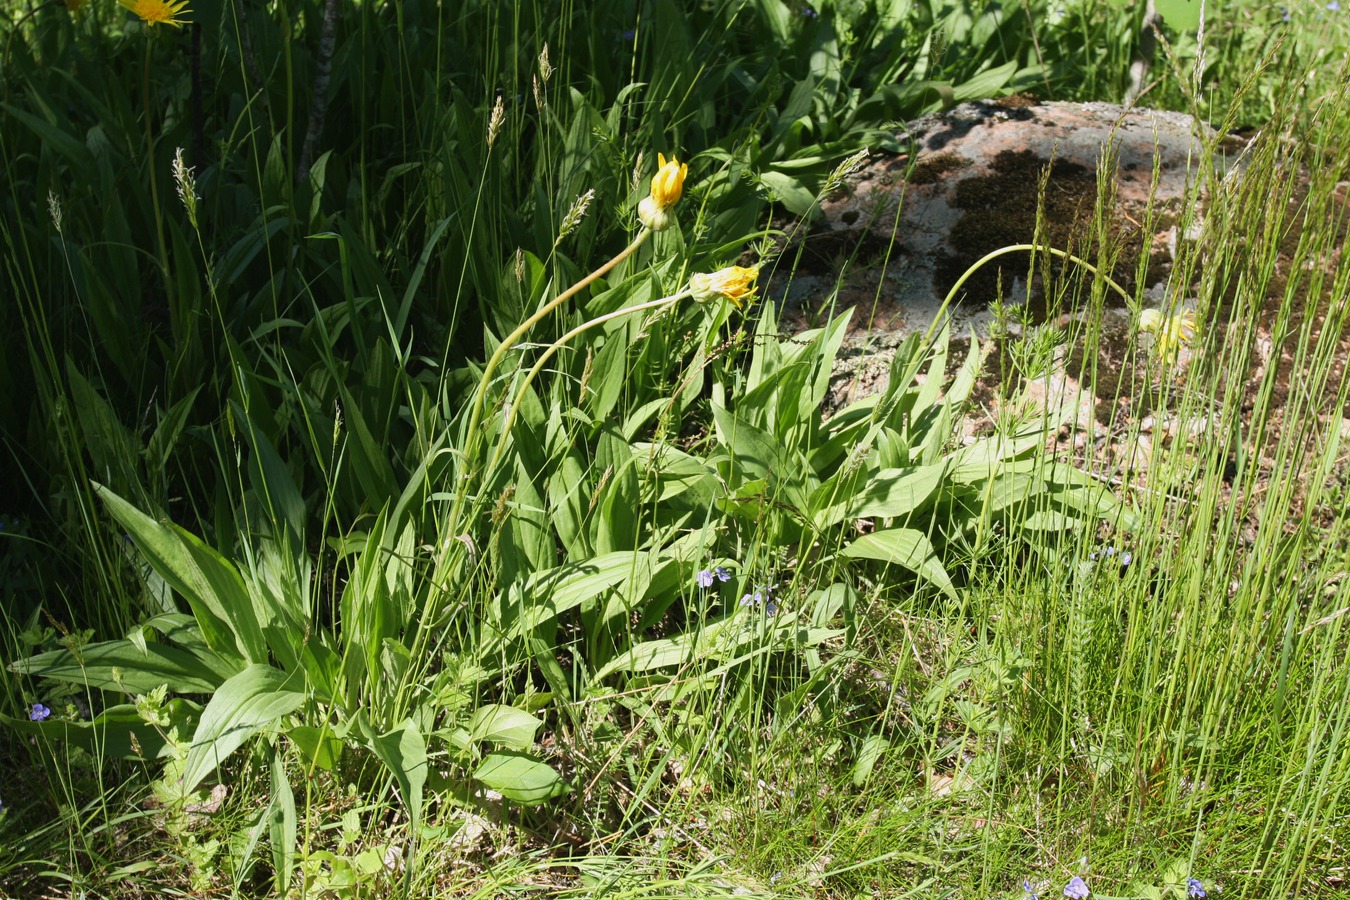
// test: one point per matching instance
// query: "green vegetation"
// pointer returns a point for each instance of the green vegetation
(406, 496)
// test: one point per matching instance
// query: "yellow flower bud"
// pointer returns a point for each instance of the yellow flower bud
(733, 283)
(667, 186)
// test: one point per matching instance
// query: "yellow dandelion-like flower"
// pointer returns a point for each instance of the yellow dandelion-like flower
(667, 187)
(158, 12)
(1170, 332)
(734, 283)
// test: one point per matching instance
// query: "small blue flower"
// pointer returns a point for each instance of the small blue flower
(39, 713)
(1284, 14)
(706, 577)
(1196, 889)
(1030, 893)
(1077, 889)
(809, 13)
(762, 597)
(1334, 6)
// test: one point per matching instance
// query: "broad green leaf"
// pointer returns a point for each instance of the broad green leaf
(141, 667)
(609, 371)
(903, 547)
(551, 593)
(320, 746)
(759, 454)
(209, 583)
(520, 777)
(678, 473)
(281, 825)
(986, 84)
(795, 196)
(512, 728)
(403, 750)
(890, 493)
(254, 700)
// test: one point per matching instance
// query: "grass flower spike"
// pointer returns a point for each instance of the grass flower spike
(159, 12)
(667, 187)
(734, 283)
(1171, 332)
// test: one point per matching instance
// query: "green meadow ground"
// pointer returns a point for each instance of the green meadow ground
(347, 550)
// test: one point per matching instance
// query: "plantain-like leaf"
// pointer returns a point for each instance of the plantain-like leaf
(211, 585)
(890, 493)
(140, 668)
(907, 548)
(506, 725)
(403, 750)
(520, 777)
(252, 701)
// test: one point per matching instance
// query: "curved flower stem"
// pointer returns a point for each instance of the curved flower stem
(553, 348)
(480, 395)
(1013, 248)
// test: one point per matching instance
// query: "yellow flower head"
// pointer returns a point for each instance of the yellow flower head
(667, 187)
(158, 12)
(75, 6)
(668, 182)
(733, 282)
(1170, 332)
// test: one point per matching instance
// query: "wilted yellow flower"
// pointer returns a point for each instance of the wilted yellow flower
(733, 282)
(1170, 332)
(159, 12)
(667, 187)
(75, 6)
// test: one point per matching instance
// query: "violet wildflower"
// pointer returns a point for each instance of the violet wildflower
(706, 577)
(1334, 6)
(1029, 893)
(1077, 889)
(1196, 889)
(762, 597)
(39, 713)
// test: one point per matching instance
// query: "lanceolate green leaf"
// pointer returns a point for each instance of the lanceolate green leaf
(890, 493)
(252, 701)
(211, 586)
(903, 547)
(403, 750)
(139, 669)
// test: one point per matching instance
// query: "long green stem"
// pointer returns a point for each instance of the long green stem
(554, 348)
(480, 395)
(1014, 248)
